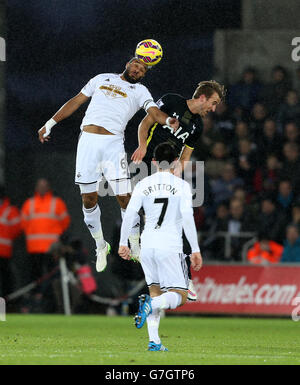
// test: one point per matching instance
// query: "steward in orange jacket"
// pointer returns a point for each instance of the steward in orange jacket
(10, 228)
(44, 219)
(265, 251)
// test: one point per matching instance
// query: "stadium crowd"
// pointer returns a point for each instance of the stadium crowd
(251, 151)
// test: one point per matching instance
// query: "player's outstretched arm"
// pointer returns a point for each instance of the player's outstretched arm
(162, 118)
(64, 112)
(143, 130)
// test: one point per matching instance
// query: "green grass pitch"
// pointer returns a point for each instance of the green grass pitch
(100, 340)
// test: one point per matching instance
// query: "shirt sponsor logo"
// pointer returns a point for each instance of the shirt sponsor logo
(112, 91)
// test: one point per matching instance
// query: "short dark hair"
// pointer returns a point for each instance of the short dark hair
(208, 88)
(165, 154)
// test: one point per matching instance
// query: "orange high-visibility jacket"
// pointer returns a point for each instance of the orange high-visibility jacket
(257, 255)
(43, 220)
(10, 227)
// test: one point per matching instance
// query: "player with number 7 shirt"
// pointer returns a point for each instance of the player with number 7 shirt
(189, 112)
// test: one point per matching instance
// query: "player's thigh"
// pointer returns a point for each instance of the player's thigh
(149, 267)
(155, 291)
(88, 160)
(115, 167)
(172, 270)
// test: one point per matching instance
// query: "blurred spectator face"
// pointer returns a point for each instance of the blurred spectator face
(222, 212)
(228, 172)
(278, 75)
(267, 207)
(242, 129)
(291, 131)
(291, 152)
(292, 98)
(236, 209)
(259, 111)
(244, 147)
(292, 234)
(208, 123)
(249, 77)
(296, 214)
(240, 194)
(42, 186)
(219, 150)
(285, 188)
(272, 162)
(269, 128)
(221, 108)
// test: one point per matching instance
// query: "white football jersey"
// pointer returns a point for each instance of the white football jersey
(114, 102)
(164, 198)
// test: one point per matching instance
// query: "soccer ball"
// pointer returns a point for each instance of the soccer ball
(149, 51)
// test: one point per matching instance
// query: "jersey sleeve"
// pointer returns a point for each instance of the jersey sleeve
(145, 99)
(133, 207)
(89, 89)
(188, 222)
(194, 137)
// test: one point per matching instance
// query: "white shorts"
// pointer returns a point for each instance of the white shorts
(165, 269)
(98, 156)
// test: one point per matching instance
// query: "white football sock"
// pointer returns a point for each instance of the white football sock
(153, 325)
(169, 300)
(92, 220)
(136, 224)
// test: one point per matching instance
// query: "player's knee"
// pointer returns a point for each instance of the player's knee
(89, 200)
(184, 296)
(123, 200)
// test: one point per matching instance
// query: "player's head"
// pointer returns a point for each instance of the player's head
(207, 96)
(164, 156)
(135, 70)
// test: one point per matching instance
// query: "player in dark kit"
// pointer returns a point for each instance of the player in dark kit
(189, 112)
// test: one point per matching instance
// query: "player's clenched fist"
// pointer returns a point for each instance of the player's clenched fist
(196, 261)
(124, 252)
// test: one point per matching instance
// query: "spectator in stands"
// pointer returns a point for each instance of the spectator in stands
(44, 219)
(241, 131)
(297, 80)
(223, 187)
(291, 132)
(224, 122)
(265, 251)
(258, 116)
(213, 246)
(217, 160)
(209, 136)
(267, 176)
(291, 165)
(286, 195)
(245, 92)
(246, 162)
(291, 252)
(273, 93)
(270, 142)
(296, 215)
(10, 229)
(289, 110)
(271, 219)
(239, 221)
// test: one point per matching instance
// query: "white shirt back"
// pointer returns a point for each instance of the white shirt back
(114, 102)
(164, 198)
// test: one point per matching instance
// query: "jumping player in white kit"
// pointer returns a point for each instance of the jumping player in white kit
(167, 202)
(115, 98)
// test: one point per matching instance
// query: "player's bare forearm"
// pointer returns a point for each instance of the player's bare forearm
(64, 112)
(161, 117)
(185, 156)
(70, 107)
(143, 130)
